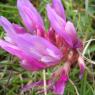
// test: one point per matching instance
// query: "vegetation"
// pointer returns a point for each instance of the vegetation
(82, 14)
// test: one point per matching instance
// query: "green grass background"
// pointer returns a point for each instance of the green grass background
(13, 77)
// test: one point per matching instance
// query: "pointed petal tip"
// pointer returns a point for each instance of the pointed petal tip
(58, 7)
(48, 7)
(1, 18)
(70, 27)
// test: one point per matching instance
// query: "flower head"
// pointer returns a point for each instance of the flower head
(38, 49)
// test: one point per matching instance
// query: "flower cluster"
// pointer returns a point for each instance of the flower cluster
(38, 49)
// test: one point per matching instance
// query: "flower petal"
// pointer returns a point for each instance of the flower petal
(39, 48)
(70, 30)
(51, 36)
(38, 84)
(10, 29)
(36, 24)
(58, 7)
(74, 41)
(34, 46)
(57, 23)
(8, 39)
(62, 75)
(7, 26)
(29, 14)
(27, 62)
(32, 65)
(56, 83)
(19, 29)
(14, 50)
(60, 85)
(31, 85)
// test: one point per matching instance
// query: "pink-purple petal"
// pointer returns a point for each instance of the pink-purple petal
(19, 29)
(32, 65)
(35, 46)
(70, 29)
(58, 7)
(7, 26)
(31, 85)
(28, 17)
(28, 4)
(60, 85)
(14, 50)
(36, 23)
(51, 36)
(27, 62)
(62, 80)
(74, 41)
(57, 23)
(39, 48)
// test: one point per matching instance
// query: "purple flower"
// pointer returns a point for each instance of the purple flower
(38, 49)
